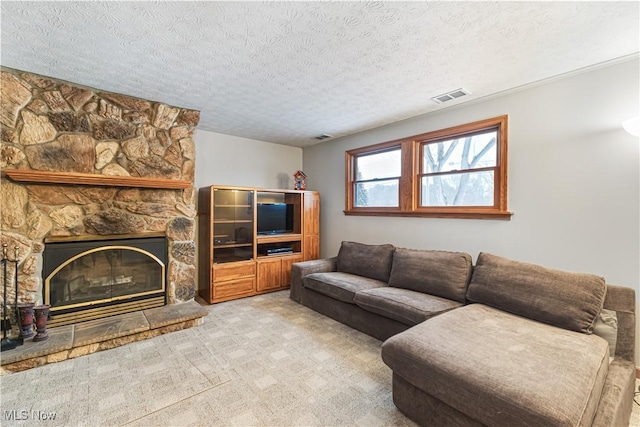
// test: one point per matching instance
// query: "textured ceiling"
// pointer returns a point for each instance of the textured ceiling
(286, 71)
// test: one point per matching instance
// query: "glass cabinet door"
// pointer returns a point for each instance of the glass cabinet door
(233, 215)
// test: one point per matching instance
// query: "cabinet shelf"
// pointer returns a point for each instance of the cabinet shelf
(231, 206)
(231, 221)
(293, 237)
(284, 254)
(232, 245)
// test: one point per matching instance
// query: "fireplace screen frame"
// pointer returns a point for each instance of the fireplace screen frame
(156, 296)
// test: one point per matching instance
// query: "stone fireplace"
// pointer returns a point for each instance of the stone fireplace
(82, 165)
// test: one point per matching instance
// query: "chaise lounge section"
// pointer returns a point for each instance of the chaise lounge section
(505, 343)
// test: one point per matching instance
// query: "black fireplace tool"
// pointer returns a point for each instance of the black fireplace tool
(9, 343)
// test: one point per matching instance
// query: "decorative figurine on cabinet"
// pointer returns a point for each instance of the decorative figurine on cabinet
(299, 182)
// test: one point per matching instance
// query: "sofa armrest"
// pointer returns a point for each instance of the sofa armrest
(301, 269)
(623, 301)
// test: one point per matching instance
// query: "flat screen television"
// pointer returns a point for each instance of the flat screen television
(275, 218)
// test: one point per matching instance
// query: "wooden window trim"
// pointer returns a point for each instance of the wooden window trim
(411, 167)
(350, 157)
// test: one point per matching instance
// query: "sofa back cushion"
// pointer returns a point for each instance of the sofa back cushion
(569, 300)
(372, 261)
(439, 273)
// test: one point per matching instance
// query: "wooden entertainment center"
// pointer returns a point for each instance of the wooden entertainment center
(249, 238)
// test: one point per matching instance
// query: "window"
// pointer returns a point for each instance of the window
(455, 172)
(377, 179)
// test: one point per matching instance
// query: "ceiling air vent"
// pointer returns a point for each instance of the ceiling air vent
(454, 94)
(323, 136)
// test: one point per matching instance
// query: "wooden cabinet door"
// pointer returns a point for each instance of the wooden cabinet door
(311, 226)
(232, 289)
(311, 247)
(269, 273)
(286, 268)
(233, 271)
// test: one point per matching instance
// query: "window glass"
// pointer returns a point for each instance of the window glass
(380, 193)
(466, 152)
(378, 165)
(377, 177)
(447, 177)
(458, 189)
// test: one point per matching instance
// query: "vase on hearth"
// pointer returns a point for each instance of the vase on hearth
(25, 311)
(42, 315)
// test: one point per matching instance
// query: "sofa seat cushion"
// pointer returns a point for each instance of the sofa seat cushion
(441, 273)
(503, 369)
(568, 300)
(340, 286)
(404, 305)
(372, 261)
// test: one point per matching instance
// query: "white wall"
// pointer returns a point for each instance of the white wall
(574, 179)
(231, 160)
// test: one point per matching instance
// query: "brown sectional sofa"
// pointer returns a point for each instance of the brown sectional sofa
(504, 343)
(373, 288)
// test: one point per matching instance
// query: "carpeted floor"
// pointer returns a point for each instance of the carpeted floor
(263, 360)
(635, 415)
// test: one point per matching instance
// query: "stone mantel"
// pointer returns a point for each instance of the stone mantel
(72, 178)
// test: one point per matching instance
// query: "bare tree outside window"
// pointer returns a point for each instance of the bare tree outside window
(455, 171)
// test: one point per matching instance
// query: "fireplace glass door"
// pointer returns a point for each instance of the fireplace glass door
(99, 278)
(104, 274)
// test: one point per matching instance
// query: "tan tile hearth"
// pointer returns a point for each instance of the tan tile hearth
(71, 341)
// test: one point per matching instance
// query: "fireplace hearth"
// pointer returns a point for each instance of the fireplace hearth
(97, 277)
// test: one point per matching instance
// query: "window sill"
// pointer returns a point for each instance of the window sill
(445, 213)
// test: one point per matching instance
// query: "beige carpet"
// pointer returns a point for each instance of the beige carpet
(263, 360)
(635, 415)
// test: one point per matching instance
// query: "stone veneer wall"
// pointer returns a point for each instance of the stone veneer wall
(51, 125)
